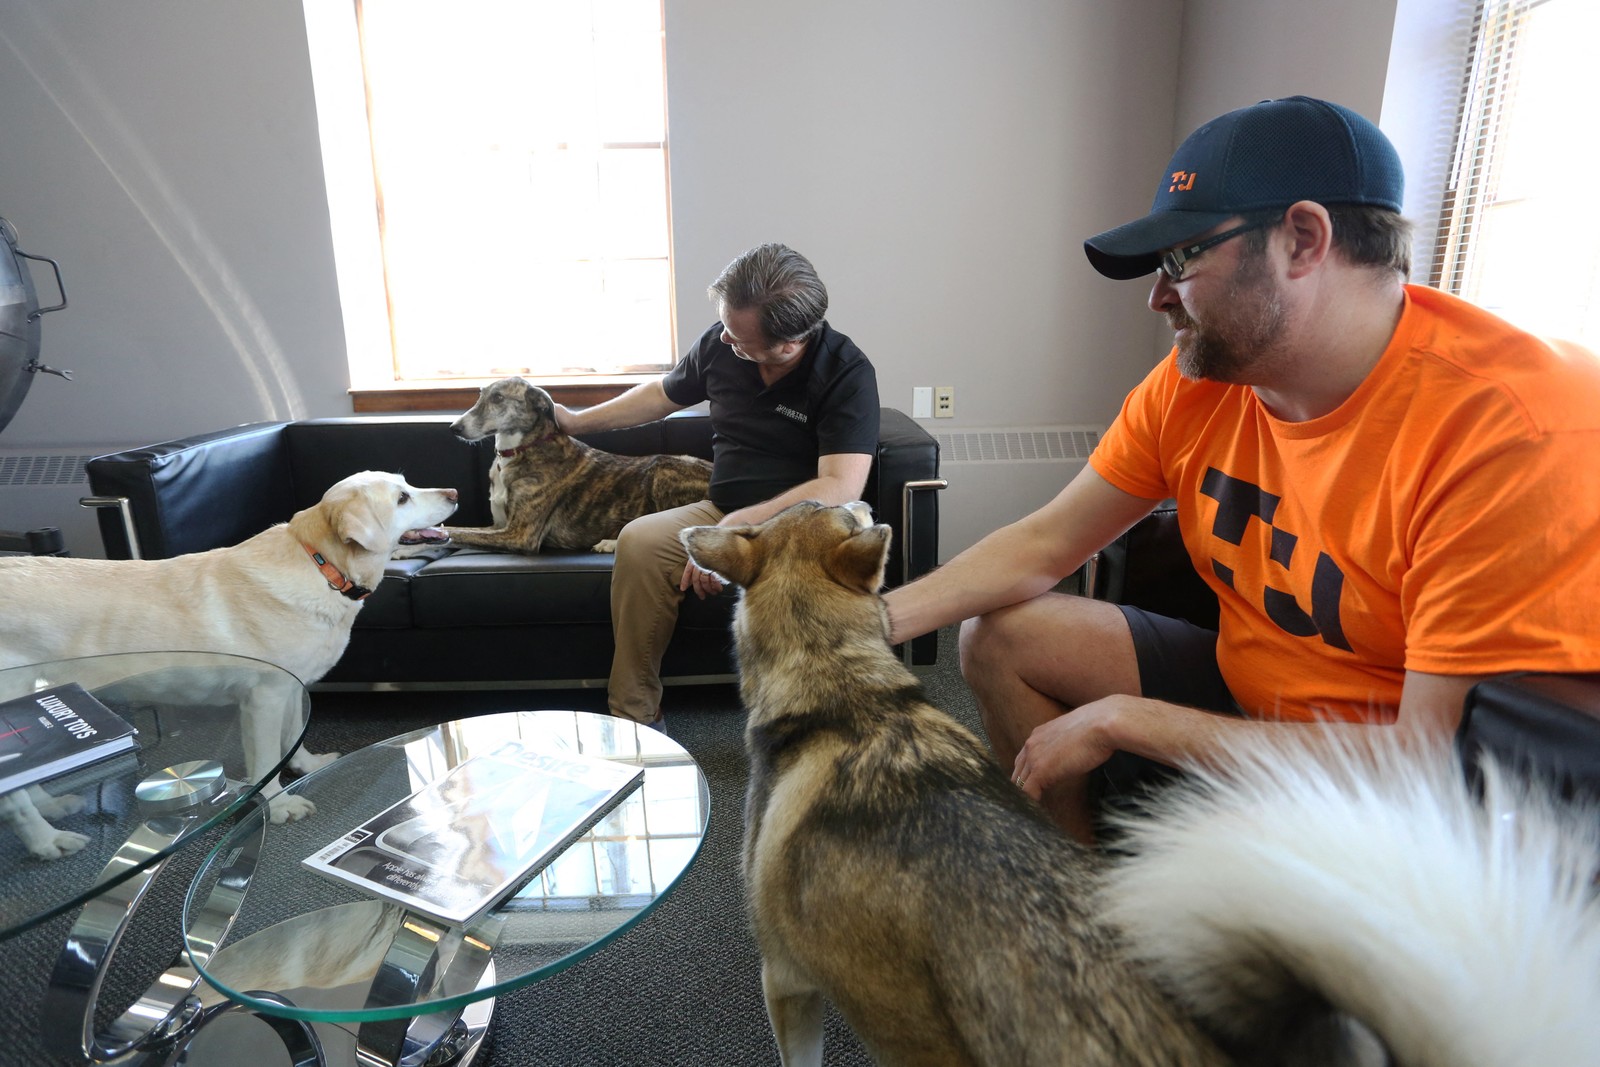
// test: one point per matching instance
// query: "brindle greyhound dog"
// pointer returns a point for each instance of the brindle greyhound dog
(547, 489)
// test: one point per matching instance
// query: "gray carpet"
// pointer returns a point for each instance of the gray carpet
(681, 988)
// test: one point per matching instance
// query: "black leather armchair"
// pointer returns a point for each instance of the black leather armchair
(471, 618)
(1541, 724)
(1148, 567)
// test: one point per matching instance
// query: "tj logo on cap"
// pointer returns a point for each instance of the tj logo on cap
(1182, 181)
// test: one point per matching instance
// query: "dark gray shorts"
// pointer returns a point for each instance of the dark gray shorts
(1177, 661)
(1177, 664)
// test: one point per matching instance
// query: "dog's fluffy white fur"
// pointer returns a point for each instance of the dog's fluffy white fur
(1458, 930)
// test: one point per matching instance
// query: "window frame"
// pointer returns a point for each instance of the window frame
(333, 31)
(1485, 193)
(1496, 28)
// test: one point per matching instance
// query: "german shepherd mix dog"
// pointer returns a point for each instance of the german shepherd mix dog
(547, 489)
(892, 868)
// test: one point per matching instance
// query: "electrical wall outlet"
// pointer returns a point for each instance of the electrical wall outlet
(922, 402)
(944, 401)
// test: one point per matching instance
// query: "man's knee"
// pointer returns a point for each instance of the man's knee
(994, 634)
(633, 537)
(649, 538)
(655, 536)
(1057, 618)
(1073, 647)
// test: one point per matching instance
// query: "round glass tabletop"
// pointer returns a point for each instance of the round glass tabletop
(376, 959)
(210, 730)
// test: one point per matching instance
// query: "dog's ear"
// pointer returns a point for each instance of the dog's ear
(726, 550)
(538, 402)
(857, 562)
(357, 518)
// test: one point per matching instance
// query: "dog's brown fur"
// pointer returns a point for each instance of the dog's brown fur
(890, 865)
(547, 489)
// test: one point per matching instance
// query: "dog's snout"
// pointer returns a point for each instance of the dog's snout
(451, 495)
(861, 512)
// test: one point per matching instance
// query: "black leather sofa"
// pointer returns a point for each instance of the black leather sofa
(471, 618)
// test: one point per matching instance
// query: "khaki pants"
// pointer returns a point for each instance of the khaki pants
(644, 604)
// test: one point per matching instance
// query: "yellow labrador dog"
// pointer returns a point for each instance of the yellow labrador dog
(288, 595)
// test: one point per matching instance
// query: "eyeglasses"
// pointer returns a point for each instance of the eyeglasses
(1173, 259)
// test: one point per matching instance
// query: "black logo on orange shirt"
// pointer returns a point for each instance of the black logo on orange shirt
(1237, 503)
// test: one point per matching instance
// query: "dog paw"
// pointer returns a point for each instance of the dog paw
(55, 807)
(286, 807)
(422, 551)
(304, 762)
(57, 843)
(605, 546)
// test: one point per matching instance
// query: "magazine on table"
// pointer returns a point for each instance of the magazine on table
(461, 844)
(46, 734)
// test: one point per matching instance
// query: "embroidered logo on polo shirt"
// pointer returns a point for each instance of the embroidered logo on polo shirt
(791, 413)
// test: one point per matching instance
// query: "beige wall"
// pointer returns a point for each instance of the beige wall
(940, 160)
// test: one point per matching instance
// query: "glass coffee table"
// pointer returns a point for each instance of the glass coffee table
(211, 730)
(346, 977)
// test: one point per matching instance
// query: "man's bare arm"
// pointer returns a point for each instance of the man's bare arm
(1079, 741)
(1020, 561)
(1054, 763)
(645, 402)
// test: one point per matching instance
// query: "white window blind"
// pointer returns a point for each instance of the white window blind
(520, 157)
(1516, 235)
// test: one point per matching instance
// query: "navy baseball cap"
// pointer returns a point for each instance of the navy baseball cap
(1268, 155)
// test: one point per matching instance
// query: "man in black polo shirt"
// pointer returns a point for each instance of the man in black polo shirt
(794, 407)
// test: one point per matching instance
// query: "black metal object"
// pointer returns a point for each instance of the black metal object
(45, 541)
(19, 363)
(19, 323)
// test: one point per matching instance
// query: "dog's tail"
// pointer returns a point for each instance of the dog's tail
(1457, 929)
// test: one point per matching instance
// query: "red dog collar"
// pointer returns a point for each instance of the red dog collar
(507, 453)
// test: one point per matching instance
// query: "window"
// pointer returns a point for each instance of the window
(519, 178)
(1517, 235)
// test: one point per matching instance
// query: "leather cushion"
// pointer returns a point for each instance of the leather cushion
(478, 588)
(1148, 567)
(1538, 723)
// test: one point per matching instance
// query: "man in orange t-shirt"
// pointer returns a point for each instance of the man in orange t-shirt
(1390, 490)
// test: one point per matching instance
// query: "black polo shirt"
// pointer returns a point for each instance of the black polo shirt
(767, 440)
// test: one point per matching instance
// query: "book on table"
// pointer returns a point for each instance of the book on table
(46, 734)
(463, 843)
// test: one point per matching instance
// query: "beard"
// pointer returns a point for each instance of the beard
(1241, 336)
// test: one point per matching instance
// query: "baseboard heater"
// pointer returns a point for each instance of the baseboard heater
(42, 487)
(1000, 474)
(1045, 444)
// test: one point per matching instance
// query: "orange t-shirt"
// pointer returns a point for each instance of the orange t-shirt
(1445, 518)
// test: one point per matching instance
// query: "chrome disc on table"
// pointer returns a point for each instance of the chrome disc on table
(181, 787)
